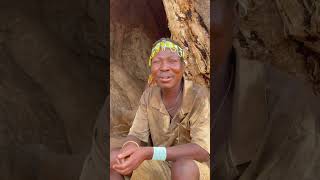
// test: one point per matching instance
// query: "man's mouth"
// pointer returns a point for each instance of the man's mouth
(165, 78)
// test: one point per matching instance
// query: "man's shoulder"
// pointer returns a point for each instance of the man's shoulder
(196, 90)
(149, 90)
(150, 95)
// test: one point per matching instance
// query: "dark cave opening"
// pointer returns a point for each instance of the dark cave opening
(150, 14)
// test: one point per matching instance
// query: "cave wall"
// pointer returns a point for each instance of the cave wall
(52, 85)
(189, 24)
(131, 37)
(284, 33)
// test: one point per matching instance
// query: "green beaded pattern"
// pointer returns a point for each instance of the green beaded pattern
(164, 44)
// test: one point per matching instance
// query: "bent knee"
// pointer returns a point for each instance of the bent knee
(186, 167)
(150, 169)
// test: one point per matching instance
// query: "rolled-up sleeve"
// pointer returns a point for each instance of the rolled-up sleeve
(140, 125)
(200, 123)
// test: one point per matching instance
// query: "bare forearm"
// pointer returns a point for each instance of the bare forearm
(187, 151)
(183, 151)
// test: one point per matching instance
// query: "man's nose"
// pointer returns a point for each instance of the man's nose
(164, 66)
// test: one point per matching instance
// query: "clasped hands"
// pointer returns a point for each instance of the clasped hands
(129, 158)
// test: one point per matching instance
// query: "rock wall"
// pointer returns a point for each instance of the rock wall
(52, 85)
(131, 37)
(189, 24)
(284, 33)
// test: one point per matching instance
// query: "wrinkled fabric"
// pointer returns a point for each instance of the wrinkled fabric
(275, 127)
(191, 124)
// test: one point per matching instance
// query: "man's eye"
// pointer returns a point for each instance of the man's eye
(173, 60)
(155, 62)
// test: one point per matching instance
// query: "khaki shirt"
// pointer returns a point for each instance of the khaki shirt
(191, 124)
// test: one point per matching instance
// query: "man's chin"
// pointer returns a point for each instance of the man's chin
(164, 86)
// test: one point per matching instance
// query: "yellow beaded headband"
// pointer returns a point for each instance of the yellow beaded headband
(162, 45)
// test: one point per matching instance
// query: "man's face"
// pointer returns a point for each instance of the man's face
(167, 69)
(223, 20)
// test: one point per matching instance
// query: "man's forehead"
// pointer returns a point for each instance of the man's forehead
(167, 53)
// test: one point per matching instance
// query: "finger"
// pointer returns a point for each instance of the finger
(125, 164)
(119, 167)
(126, 153)
(125, 171)
(122, 160)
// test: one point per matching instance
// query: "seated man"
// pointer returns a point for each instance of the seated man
(174, 117)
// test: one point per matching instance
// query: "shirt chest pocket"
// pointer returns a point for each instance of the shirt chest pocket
(183, 132)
